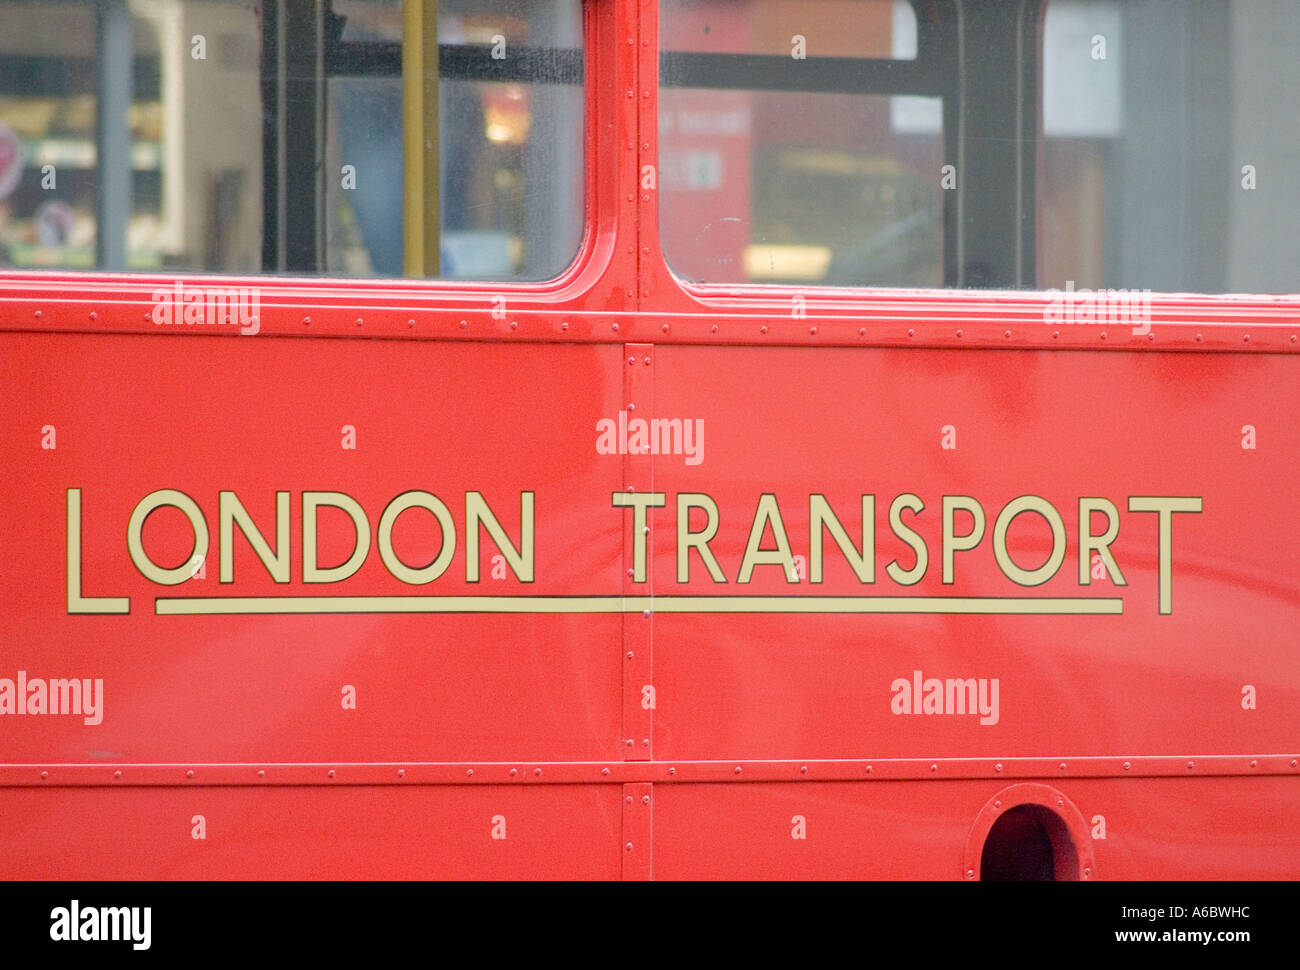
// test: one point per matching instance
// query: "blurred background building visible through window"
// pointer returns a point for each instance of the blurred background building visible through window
(181, 183)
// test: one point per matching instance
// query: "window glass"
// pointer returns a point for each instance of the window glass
(511, 172)
(787, 154)
(1170, 141)
(190, 135)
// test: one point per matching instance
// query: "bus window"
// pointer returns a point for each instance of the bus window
(799, 143)
(1169, 146)
(509, 117)
(229, 136)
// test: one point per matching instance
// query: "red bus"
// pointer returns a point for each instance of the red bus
(640, 439)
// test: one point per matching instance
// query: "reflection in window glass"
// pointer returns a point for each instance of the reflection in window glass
(186, 179)
(1169, 146)
(763, 183)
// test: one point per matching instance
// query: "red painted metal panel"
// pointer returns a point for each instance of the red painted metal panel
(1060, 426)
(353, 832)
(638, 578)
(638, 829)
(133, 415)
(1153, 829)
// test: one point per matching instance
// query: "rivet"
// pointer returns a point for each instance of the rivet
(970, 873)
(934, 767)
(762, 329)
(1060, 803)
(998, 766)
(1293, 764)
(117, 774)
(631, 361)
(1055, 334)
(629, 845)
(1103, 335)
(614, 327)
(514, 324)
(665, 328)
(564, 325)
(911, 333)
(1254, 764)
(997, 804)
(1151, 336)
(803, 769)
(261, 773)
(862, 331)
(672, 771)
(513, 772)
(306, 321)
(1191, 765)
(813, 331)
(1127, 766)
(411, 324)
(645, 529)
(44, 774)
(737, 769)
(537, 772)
(401, 772)
(959, 333)
(190, 773)
(631, 406)
(645, 799)
(628, 742)
(715, 330)
(469, 773)
(645, 614)
(360, 322)
(464, 324)
(868, 769)
(645, 742)
(1246, 338)
(1198, 338)
(1062, 765)
(646, 361)
(628, 799)
(631, 94)
(629, 655)
(1087, 872)
(39, 314)
(94, 315)
(604, 771)
(1006, 333)
(331, 772)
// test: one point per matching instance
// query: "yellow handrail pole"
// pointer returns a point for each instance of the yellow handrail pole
(421, 212)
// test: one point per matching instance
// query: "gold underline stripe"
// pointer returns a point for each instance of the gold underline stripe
(200, 606)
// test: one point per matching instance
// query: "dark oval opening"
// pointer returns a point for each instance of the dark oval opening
(1029, 843)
